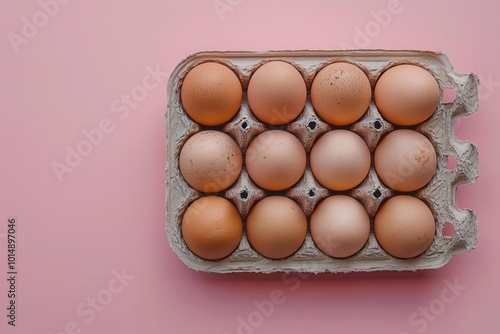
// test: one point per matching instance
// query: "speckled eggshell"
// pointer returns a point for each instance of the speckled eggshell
(210, 161)
(341, 93)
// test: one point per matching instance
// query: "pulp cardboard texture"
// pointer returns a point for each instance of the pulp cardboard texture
(439, 193)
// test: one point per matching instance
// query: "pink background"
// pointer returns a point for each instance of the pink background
(76, 232)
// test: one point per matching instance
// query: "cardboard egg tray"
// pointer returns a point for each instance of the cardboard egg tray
(439, 193)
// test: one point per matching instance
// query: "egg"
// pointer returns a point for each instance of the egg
(340, 226)
(340, 160)
(341, 93)
(404, 226)
(276, 93)
(210, 161)
(405, 160)
(211, 93)
(212, 227)
(406, 94)
(276, 227)
(275, 160)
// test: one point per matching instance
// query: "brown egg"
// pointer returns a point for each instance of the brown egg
(340, 160)
(212, 227)
(340, 226)
(405, 160)
(406, 94)
(341, 93)
(275, 160)
(211, 93)
(276, 227)
(276, 93)
(404, 226)
(210, 161)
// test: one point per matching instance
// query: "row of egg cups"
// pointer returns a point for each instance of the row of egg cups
(270, 231)
(309, 129)
(340, 92)
(211, 161)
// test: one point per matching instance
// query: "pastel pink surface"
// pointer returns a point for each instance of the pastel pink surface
(76, 233)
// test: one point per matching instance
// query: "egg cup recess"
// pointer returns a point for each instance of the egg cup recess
(439, 194)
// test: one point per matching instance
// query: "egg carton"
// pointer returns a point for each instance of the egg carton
(439, 193)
